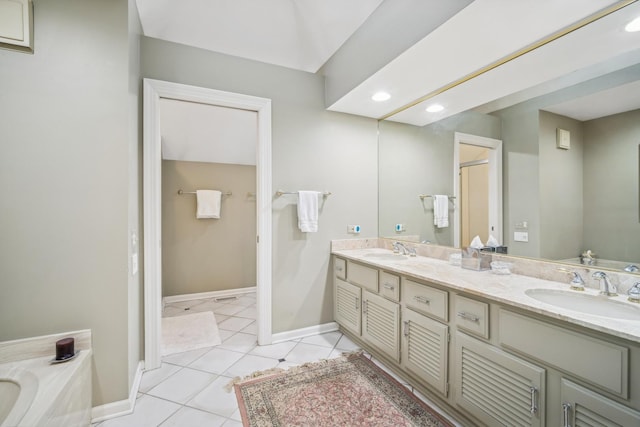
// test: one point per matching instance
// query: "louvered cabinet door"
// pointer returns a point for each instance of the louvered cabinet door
(584, 408)
(497, 387)
(425, 349)
(347, 306)
(381, 324)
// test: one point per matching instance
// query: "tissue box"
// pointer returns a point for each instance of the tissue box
(475, 259)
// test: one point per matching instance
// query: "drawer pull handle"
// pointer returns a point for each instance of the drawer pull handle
(566, 409)
(364, 306)
(534, 400)
(406, 328)
(467, 316)
(389, 286)
(420, 298)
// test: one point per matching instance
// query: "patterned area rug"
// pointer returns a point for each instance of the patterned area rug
(347, 391)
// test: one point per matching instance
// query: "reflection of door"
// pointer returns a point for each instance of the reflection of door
(477, 188)
(474, 200)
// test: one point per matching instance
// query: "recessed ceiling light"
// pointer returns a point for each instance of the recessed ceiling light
(435, 108)
(380, 96)
(633, 25)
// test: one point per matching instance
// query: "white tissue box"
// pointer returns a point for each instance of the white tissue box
(476, 259)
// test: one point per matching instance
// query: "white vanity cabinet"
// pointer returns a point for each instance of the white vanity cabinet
(497, 387)
(425, 349)
(359, 308)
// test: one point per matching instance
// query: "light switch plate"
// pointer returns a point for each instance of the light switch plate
(521, 236)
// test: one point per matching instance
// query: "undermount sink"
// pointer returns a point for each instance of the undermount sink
(588, 304)
(386, 256)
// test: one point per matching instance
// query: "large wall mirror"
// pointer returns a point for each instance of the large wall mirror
(566, 168)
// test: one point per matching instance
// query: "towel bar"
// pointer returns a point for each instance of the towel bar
(224, 193)
(281, 192)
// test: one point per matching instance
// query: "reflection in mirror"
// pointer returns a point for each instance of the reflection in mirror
(564, 193)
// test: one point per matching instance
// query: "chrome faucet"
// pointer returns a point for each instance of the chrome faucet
(577, 282)
(606, 287)
(400, 247)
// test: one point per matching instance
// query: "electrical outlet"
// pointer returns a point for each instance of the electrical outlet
(400, 227)
(353, 229)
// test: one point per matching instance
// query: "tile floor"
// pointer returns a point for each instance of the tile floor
(190, 388)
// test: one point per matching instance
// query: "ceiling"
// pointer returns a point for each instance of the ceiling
(305, 34)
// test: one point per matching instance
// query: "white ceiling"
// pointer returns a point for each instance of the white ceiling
(300, 34)
(303, 34)
(207, 133)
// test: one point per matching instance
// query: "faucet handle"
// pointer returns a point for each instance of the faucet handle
(577, 282)
(634, 292)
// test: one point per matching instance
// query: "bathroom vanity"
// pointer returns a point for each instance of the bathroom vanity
(483, 347)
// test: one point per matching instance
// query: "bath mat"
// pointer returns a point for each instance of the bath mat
(347, 391)
(189, 332)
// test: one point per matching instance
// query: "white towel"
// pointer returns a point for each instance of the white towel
(208, 203)
(308, 211)
(441, 211)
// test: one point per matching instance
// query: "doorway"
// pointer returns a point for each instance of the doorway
(477, 185)
(154, 91)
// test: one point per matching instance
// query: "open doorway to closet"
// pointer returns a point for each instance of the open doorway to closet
(194, 266)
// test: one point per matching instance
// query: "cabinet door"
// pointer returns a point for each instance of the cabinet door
(497, 387)
(582, 407)
(381, 324)
(347, 306)
(425, 349)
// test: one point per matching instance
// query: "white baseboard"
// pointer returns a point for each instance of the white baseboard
(304, 332)
(121, 407)
(205, 295)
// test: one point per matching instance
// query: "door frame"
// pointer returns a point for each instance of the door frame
(495, 182)
(153, 91)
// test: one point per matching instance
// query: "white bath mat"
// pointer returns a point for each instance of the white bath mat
(189, 332)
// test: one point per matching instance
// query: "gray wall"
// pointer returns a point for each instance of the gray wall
(561, 189)
(611, 181)
(204, 255)
(313, 149)
(419, 160)
(69, 140)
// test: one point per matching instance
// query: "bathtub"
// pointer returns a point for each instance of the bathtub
(35, 392)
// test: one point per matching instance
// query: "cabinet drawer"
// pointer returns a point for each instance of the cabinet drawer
(568, 351)
(361, 275)
(472, 316)
(340, 268)
(425, 299)
(390, 286)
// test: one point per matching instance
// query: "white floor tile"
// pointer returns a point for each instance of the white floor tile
(326, 340)
(249, 364)
(216, 398)
(235, 323)
(194, 417)
(217, 360)
(185, 358)
(274, 351)
(172, 311)
(149, 412)
(225, 335)
(251, 329)
(182, 386)
(232, 423)
(346, 344)
(240, 342)
(246, 300)
(303, 353)
(249, 313)
(229, 309)
(152, 378)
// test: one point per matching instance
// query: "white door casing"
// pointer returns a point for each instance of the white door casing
(154, 90)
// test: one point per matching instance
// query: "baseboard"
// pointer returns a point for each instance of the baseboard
(304, 332)
(206, 295)
(121, 407)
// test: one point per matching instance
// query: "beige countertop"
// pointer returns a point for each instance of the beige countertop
(505, 289)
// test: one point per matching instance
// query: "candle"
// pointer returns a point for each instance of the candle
(64, 348)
